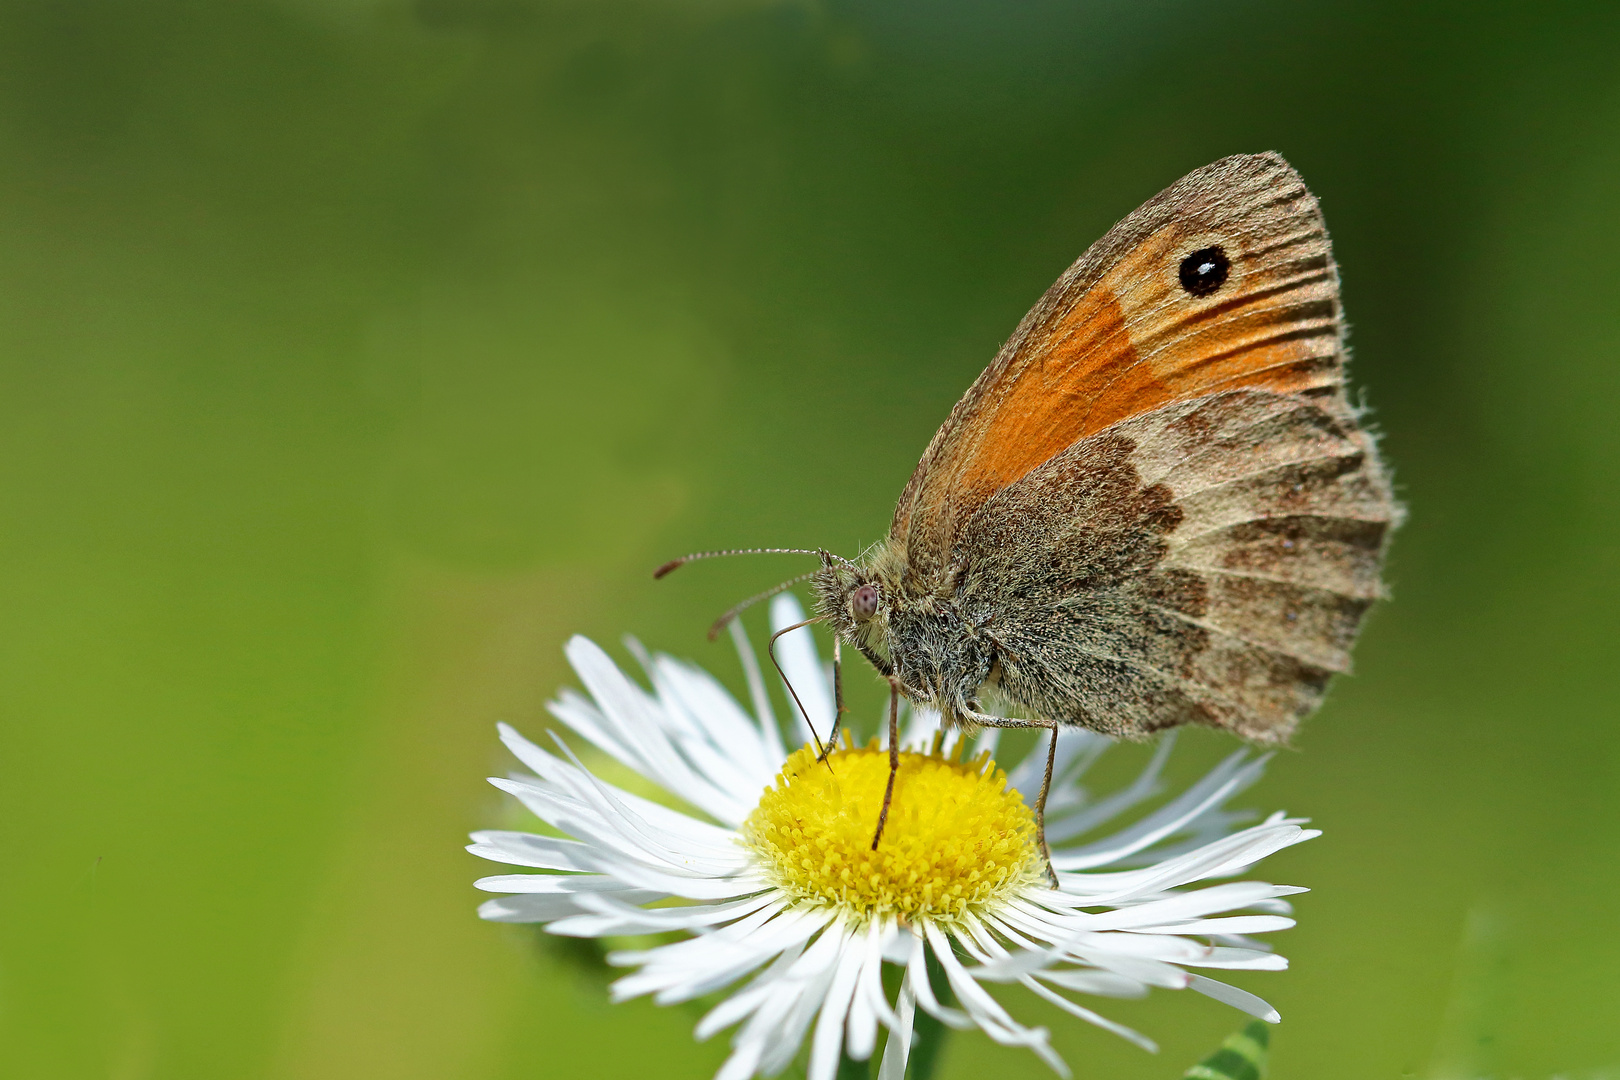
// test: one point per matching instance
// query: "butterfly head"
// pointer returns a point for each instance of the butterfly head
(858, 601)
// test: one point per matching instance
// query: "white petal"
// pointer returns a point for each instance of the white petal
(1277, 907)
(745, 1001)
(1087, 948)
(868, 1005)
(1090, 1017)
(609, 917)
(628, 854)
(608, 801)
(898, 950)
(696, 966)
(1072, 817)
(786, 1017)
(583, 717)
(1232, 924)
(1033, 958)
(898, 1049)
(917, 973)
(527, 849)
(705, 723)
(558, 772)
(986, 1012)
(631, 730)
(790, 1032)
(1225, 856)
(562, 811)
(549, 884)
(574, 805)
(829, 1037)
(1238, 999)
(743, 1062)
(1180, 907)
(774, 928)
(1099, 983)
(543, 907)
(1239, 941)
(1077, 749)
(1224, 781)
(1244, 960)
(1127, 955)
(733, 754)
(770, 734)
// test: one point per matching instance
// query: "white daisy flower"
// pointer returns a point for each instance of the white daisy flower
(773, 878)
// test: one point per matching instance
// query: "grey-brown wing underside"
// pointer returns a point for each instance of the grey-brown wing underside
(1206, 562)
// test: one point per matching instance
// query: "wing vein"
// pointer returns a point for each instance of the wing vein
(1189, 537)
(1256, 575)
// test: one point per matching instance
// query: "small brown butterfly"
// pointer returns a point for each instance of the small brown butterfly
(1155, 507)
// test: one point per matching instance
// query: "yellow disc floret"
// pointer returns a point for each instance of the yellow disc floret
(957, 838)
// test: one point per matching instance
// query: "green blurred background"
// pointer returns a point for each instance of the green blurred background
(354, 354)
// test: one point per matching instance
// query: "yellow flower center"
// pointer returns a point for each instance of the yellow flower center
(957, 838)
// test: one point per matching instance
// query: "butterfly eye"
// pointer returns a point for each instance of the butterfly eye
(1205, 270)
(863, 602)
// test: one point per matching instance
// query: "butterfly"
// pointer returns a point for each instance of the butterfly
(1157, 506)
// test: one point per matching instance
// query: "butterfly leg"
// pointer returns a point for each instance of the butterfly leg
(894, 757)
(838, 699)
(1046, 781)
(1040, 807)
(770, 651)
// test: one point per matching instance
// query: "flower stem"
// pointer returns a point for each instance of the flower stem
(850, 1069)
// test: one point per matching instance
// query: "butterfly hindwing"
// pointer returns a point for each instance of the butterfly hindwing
(1205, 562)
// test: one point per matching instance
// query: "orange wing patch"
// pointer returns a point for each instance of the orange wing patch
(1046, 407)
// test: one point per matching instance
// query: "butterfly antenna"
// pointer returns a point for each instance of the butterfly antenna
(770, 650)
(674, 564)
(737, 609)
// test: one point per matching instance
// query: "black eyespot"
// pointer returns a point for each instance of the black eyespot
(863, 602)
(1205, 270)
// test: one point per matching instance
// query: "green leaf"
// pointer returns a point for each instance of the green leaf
(1241, 1057)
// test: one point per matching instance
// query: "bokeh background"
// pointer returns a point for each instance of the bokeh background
(353, 354)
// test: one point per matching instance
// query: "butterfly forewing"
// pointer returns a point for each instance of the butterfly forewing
(1119, 334)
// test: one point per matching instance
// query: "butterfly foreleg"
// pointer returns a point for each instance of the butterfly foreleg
(986, 720)
(839, 708)
(894, 757)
